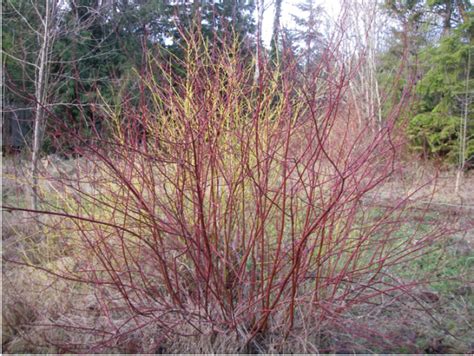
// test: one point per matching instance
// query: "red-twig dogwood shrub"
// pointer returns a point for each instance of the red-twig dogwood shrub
(214, 202)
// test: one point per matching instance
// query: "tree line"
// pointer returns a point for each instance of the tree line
(69, 58)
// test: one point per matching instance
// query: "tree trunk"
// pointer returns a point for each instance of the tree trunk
(447, 18)
(41, 89)
(276, 28)
(463, 129)
(462, 10)
(258, 59)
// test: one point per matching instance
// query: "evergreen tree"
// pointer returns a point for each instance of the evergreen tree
(308, 32)
(100, 43)
(443, 92)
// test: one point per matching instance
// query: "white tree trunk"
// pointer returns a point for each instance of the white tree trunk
(41, 90)
(463, 130)
(258, 59)
(367, 25)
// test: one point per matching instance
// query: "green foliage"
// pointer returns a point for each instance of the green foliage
(435, 135)
(436, 37)
(446, 71)
(99, 45)
(434, 131)
(18, 42)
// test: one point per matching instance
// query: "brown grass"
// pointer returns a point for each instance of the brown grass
(34, 300)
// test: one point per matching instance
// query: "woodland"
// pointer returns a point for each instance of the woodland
(237, 176)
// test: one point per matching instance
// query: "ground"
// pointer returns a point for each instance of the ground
(437, 317)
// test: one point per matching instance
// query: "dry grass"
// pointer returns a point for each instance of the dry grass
(427, 320)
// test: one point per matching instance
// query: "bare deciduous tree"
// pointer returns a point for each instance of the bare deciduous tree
(47, 34)
(367, 32)
(463, 128)
(43, 21)
(258, 57)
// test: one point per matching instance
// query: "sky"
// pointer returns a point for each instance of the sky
(288, 9)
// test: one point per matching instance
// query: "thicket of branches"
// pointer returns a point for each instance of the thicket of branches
(221, 189)
(222, 204)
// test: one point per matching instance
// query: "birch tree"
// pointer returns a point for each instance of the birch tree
(258, 59)
(367, 31)
(463, 127)
(31, 48)
(33, 62)
(276, 28)
(47, 35)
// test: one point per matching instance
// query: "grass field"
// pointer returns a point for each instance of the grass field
(436, 316)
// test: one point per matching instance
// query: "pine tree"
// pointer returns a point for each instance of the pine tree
(445, 93)
(308, 32)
